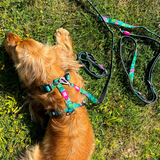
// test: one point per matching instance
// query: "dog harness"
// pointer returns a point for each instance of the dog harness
(70, 107)
(128, 35)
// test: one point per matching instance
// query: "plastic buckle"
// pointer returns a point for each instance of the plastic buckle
(84, 102)
(46, 88)
(67, 76)
(91, 57)
(53, 114)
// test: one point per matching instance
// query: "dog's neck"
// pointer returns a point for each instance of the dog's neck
(67, 90)
(66, 123)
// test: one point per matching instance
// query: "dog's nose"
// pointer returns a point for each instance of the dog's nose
(6, 34)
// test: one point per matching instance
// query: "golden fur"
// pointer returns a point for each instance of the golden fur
(68, 137)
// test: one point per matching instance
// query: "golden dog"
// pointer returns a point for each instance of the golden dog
(68, 136)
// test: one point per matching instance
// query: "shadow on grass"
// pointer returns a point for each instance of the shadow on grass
(11, 86)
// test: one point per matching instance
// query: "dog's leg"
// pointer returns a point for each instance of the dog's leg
(63, 40)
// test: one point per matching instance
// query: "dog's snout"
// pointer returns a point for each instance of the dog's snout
(6, 34)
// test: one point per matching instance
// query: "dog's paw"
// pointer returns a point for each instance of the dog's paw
(61, 35)
(63, 40)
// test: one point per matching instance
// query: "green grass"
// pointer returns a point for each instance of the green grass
(124, 127)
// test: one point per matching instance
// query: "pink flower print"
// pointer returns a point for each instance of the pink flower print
(132, 70)
(105, 19)
(76, 88)
(101, 65)
(116, 22)
(65, 95)
(127, 33)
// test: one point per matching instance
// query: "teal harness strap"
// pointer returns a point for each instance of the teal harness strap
(70, 107)
(87, 94)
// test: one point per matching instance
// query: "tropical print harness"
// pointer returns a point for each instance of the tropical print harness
(70, 107)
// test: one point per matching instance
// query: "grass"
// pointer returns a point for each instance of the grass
(124, 127)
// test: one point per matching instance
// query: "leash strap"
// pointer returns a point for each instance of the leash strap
(104, 92)
(87, 59)
(132, 68)
(127, 34)
(131, 73)
(70, 107)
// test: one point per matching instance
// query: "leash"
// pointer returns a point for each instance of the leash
(88, 59)
(70, 107)
(128, 35)
(130, 75)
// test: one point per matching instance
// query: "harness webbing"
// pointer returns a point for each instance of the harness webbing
(70, 107)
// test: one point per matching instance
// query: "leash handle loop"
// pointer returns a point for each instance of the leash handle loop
(131, 73)
(88, 59)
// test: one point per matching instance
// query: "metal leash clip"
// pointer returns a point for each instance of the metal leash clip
(63, 80)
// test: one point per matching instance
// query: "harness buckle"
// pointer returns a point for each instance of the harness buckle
(63, 80)
(84, 102)
(91, 57)
(46, 88)
(53, 114)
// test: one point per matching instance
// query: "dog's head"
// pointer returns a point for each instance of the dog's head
(39, 64)
(32, 60)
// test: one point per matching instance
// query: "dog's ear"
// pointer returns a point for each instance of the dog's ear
(12, 39)
(30, 65)
(36, 63)
(11, 43)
